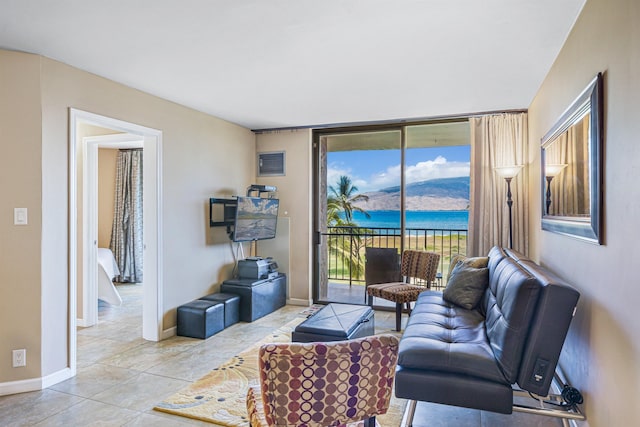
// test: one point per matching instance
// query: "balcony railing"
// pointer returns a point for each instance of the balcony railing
(346, 247)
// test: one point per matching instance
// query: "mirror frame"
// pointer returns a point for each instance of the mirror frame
(589, 228)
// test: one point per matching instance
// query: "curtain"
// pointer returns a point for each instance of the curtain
(126, 232)
(498, 140)
(569, 192)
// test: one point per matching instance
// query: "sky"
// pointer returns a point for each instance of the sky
(377, 169)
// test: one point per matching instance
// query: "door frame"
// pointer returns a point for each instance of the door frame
(90, 174)
(152, 328)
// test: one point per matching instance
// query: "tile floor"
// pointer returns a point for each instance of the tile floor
(120, 376)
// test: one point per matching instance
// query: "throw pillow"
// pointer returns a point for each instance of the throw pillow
(476, 262)
(466, 285)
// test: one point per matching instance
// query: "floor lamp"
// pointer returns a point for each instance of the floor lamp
(508, 173)
(551, 171)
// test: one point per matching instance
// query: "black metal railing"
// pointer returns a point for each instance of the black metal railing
(346, 247)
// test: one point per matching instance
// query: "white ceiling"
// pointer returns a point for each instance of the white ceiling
(289, 63)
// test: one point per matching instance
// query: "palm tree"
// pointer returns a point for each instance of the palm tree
(342, 199)
(340, 208)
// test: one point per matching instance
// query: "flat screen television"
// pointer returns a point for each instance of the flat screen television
(255, 219)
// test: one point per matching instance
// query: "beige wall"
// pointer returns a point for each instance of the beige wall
(602, 352)
(21, 183)
(202, 155)
(106, 188)
(294, 192)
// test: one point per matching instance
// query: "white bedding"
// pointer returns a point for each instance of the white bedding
(107, 270)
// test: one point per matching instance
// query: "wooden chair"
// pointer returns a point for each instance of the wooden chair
(338, 383)
(415, 265)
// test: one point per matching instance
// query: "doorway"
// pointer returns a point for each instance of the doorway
(82, 247)
(94, 241)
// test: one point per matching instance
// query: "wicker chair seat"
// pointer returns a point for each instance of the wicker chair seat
(398, 292)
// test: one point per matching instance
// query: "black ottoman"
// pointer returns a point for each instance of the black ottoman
(336, 322)
(231, 306)
(200, 319)
(257, 297)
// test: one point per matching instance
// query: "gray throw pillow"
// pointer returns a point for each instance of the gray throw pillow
(477, 262)
(466, 285)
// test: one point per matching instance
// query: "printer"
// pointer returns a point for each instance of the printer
(257, 268)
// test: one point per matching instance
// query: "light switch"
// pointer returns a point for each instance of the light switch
(20, 216)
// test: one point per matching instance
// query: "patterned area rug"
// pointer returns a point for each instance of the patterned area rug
(219, 397)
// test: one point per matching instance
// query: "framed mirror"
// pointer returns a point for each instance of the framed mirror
(572, 168)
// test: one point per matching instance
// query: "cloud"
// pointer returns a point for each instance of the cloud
(390, 177)
(421, 171)
(438, 168)
(335, 171)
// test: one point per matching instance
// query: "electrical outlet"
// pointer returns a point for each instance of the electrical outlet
(539, 371)
(19, 358)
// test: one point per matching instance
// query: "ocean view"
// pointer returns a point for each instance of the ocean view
(445, 220)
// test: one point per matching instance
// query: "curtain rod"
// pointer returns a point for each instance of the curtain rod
(390, 122)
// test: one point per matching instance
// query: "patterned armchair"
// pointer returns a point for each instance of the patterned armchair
(339, 383)
(415, 265)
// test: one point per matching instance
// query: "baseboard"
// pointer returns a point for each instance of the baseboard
(168, 333)
(298, 301)
(21, 386)
(34, 384)
(57, 377)
(81, 323)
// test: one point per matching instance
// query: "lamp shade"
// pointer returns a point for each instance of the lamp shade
(553, 170)
(508, 171)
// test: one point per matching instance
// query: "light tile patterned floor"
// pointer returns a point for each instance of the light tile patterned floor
(121, 376)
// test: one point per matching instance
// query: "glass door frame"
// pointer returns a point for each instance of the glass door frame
(320, 191)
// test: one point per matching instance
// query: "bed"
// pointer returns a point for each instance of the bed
(107, 270)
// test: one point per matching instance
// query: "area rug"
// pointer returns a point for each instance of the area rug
(219, 397)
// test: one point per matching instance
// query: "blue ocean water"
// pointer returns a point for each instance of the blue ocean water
(444, 220)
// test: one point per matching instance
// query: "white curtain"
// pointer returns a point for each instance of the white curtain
(126, 232)
(570, 189)
(498, 140)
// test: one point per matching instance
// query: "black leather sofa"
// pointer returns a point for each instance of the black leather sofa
(471, 358)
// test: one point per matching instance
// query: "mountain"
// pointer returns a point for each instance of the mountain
(430, 195)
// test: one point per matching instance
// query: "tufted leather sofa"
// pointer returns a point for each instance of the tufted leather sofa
(471, 358)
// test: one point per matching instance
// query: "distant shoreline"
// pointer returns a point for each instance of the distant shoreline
(439, 220)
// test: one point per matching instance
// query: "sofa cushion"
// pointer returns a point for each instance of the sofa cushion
(443, 337)
(466, 285)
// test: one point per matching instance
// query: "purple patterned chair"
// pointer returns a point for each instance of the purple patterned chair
(324, 384)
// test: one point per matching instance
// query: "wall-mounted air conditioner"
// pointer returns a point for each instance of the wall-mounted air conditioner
(271, 164)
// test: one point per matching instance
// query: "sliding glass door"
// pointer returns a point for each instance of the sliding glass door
(353, 177)
(384, 187)
(437, 190)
